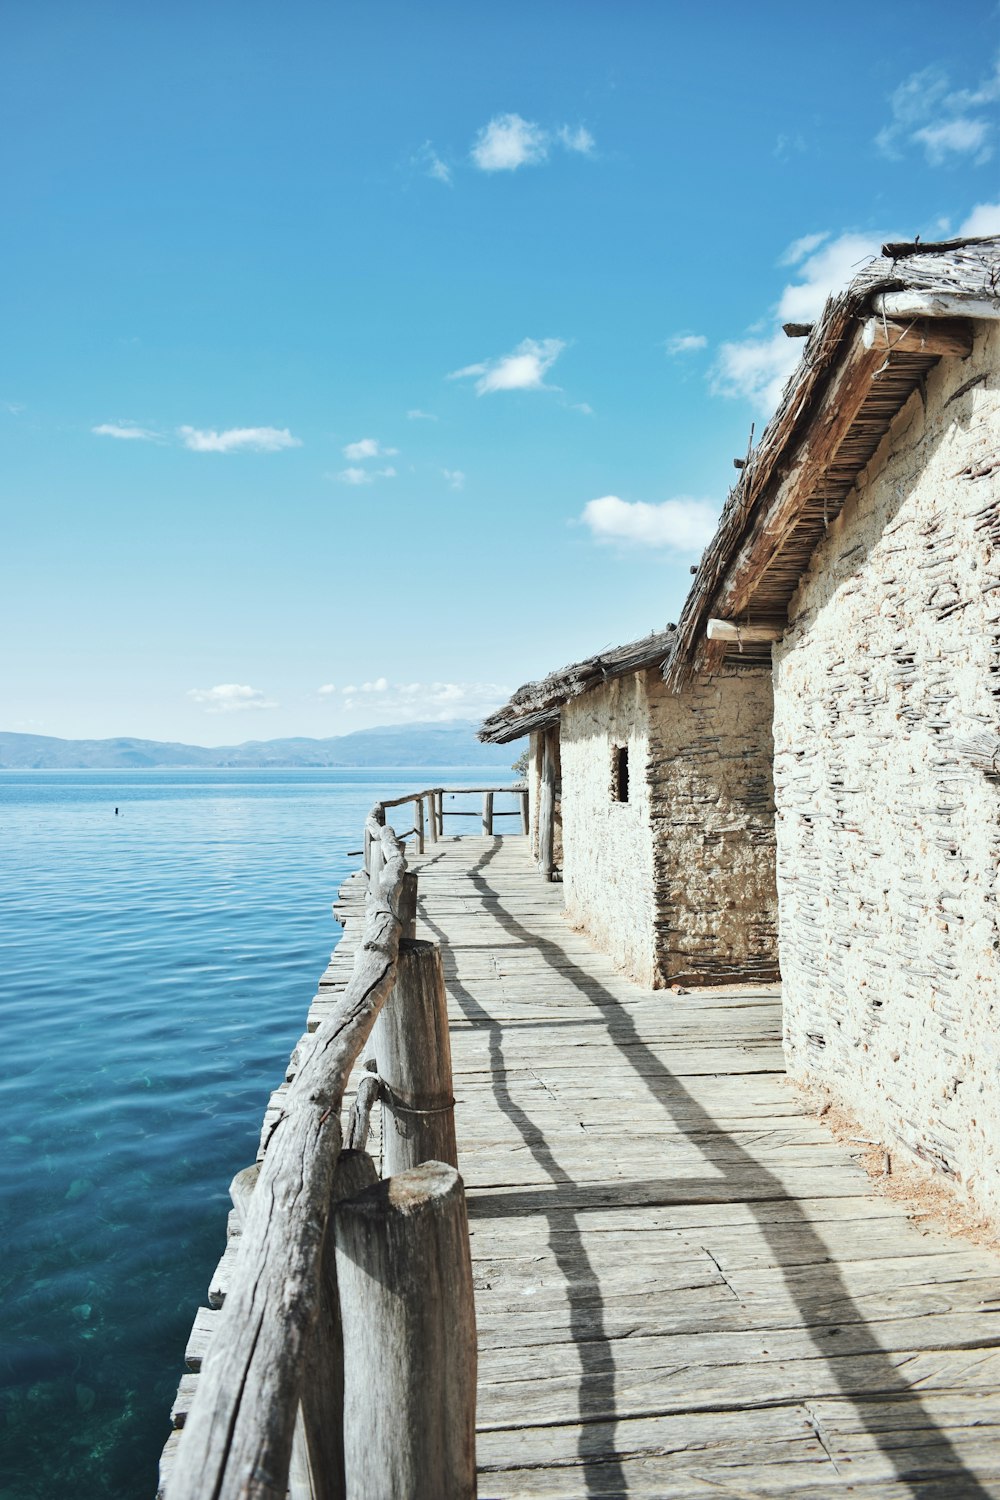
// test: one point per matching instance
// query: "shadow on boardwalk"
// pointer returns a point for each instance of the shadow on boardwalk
(922, 1456)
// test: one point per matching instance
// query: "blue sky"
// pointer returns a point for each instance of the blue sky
(362, 361)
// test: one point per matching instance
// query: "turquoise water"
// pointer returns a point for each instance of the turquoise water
(156, 970)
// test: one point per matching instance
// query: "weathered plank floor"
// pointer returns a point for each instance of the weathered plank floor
(684, 1286)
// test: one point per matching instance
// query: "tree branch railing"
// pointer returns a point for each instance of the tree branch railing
(430, 811)
(332, 1260)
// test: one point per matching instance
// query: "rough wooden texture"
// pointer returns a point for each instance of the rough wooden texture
(547, 804)
(405, 1287)
(915, 337)
(835, 410)
(733, 630)
(684, 1286)
(316, 1471)
(238, 1436)
(412, 1051)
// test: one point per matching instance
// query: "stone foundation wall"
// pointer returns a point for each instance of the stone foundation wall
(711, 801)
(888, 840)
(608, 845)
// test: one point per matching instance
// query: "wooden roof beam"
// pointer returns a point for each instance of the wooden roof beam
(934, 336)
(743, 634)
(935, 305)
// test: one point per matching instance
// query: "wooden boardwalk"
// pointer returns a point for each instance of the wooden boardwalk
(685, 1287)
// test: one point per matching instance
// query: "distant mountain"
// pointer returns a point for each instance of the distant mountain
(447, 744)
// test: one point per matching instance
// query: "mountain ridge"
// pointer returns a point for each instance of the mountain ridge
(451, 743)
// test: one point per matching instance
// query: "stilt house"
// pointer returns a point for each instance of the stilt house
(655, 809)
(862, 541)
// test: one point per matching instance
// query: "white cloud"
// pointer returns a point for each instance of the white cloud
(327, 689)
(757, 368)
(15, 408)
(256, 439)
(367, 448)
(686, 343)
(579, 139)
(427, 161)
(509, 142)
(952, 138)
(386, 702)
(683, 525)
(230, 697)
(126, 431)
(927, 112)
(416, 415)
(523, 370)
(455, 478)
(984, 219)
(355, 475)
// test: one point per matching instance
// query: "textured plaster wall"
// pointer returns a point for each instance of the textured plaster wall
(711, 802)
(888, 840)
(608, 845)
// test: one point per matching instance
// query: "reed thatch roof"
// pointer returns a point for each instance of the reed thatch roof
(537, 704)
(851, 382)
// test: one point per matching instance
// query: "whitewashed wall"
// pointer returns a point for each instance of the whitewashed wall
(888, 842)
(712, 804)
(608, 845)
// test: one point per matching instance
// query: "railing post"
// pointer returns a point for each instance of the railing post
(411, 1046)
(406, 906)
(404, 1278)
(432, 827)
(418, 807)
(440, 803)
(316, 1471)
(488, 814)
(525, 824)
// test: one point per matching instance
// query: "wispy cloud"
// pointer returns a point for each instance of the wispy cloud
(253, 439)
(367, 448)
(679, 525)
(509, 141)
(455, 478)
(15, 408)
(126, 432)
(576, 139)
(327, 690)
(949, 124)
(686, 343)
(230, 697)
(354, 474)
(416, 415)
(523, 370)
(757, 368)
(386, 702)
(427, 161)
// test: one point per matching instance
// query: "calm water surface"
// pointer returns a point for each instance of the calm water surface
(157, 967)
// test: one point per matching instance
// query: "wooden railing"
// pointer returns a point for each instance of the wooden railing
(430, 811)
(344, 1361)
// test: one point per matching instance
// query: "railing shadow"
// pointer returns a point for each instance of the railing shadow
(931, 1463)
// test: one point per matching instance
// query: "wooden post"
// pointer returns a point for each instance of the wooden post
(432, 827)
(418, 808)
(547, 808)
(525, 827)
(412, 1048)
(316, 1471)
(404, 1279)
(406, 905)
(440, 803)
(488, 814)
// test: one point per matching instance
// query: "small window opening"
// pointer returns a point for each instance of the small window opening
(619, 774)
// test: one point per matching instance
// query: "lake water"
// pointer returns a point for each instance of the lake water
(157, 968)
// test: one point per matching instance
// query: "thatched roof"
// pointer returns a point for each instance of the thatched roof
(538, 703)
(836, 408)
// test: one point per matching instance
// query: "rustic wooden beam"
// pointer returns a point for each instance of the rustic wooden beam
(841, 402)
(488, 814)
(919, 336)
(404, 1277)
(412, 1050)
(743, 634)
(419, 823)
(547, 807)
(237, 1440)
(797, 330)
(935, 305)
(525, 822)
